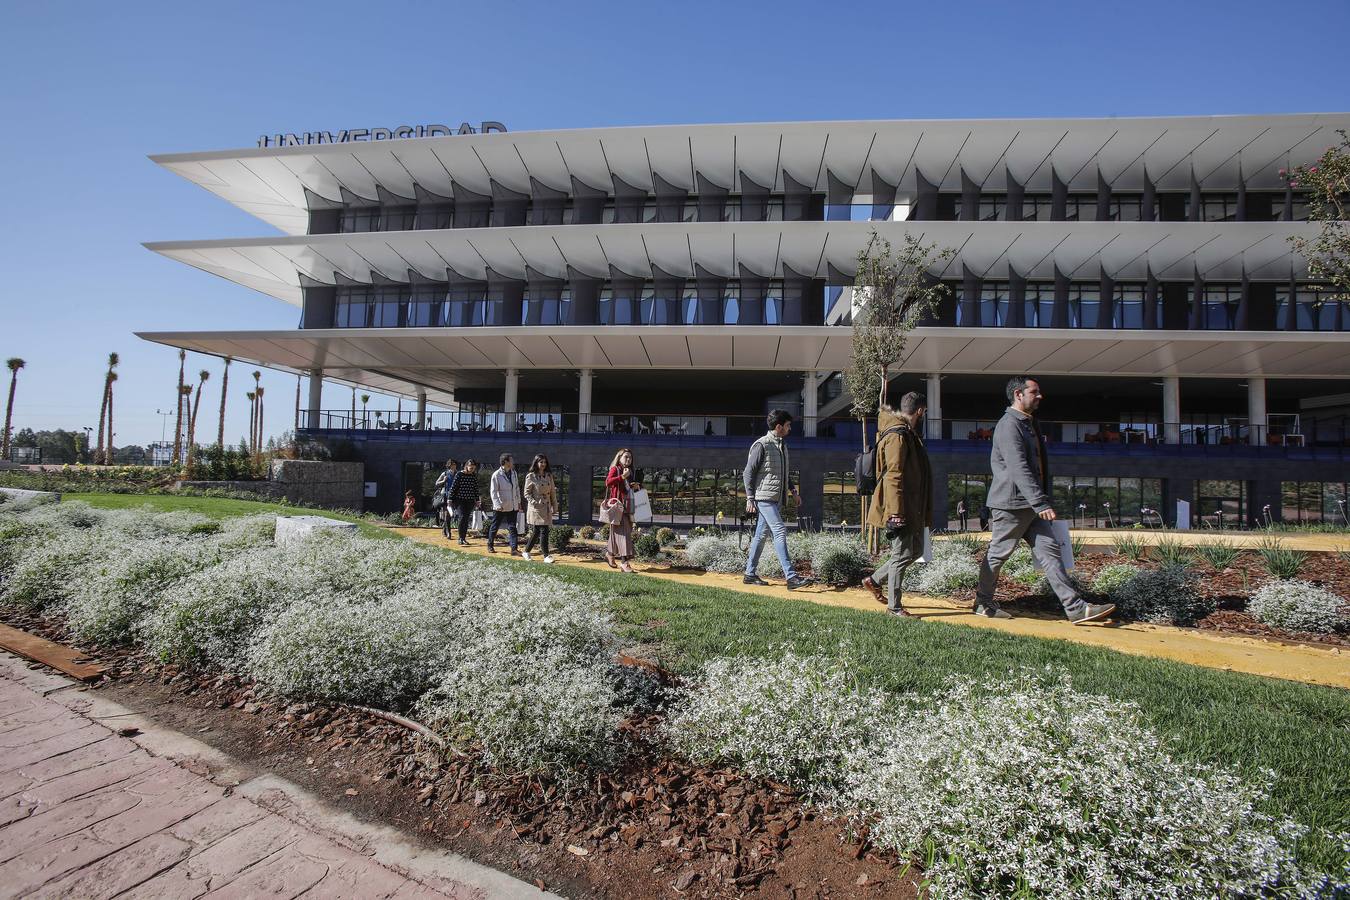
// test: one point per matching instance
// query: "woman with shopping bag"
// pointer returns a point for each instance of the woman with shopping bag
(466, 496)
(616, 510)
(541, 504)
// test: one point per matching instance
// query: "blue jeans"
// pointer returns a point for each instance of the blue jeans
(770, 519)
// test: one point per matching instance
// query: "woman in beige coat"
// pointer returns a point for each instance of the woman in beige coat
(541, 504)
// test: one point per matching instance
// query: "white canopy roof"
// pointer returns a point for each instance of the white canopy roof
(1126, 250)
(399, 361)
(272, 183)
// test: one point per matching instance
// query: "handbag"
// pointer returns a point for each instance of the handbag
(611, 511)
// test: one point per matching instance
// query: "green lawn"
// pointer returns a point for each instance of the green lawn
(1300, 732)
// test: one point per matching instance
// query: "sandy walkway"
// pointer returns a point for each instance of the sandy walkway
(1296, 540)
(1314, 665)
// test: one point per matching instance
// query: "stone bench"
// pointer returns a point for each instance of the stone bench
(297, 528)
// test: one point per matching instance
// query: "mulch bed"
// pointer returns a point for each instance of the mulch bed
(656, 827)
(1228, 588)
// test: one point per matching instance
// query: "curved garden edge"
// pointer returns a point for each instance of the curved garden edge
(1305, 663)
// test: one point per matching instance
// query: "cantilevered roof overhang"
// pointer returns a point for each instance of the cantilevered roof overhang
(1124, 250)
(438, 360)
(280, 185)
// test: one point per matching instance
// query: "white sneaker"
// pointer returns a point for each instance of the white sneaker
(525, 555)
(548, 559)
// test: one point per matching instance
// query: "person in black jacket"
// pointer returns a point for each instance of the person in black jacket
(466, 496)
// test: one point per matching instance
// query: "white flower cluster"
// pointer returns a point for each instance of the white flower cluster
(1110, 578)
(715, 553)
(1298, 606)
(952, 568)
(521, 666)
(795, 719)
(1027, 788)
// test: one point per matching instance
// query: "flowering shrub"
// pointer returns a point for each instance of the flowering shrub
(666, 536)
(587, 532)
(951, 569)
(1111, 577)
(1021, 567)
(796, 719)
(715, 554)
(839, 558)
(1169, 595)
(1298, 606)
(1021, 787)
(1032, 788)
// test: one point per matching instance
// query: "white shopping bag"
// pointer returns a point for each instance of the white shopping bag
(478, 520)
(1062, 537)
(520, 522)
(642, 507)
(927, 555)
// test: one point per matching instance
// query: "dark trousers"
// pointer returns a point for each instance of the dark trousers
(500, 518)
(538, 532)
(465, 511)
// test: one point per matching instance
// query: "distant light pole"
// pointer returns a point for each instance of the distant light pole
(163, 422)
(87, 432)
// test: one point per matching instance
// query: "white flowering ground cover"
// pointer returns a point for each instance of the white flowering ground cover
(1029, 786)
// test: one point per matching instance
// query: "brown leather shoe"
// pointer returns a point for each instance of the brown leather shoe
(875, 589)
(904, 613)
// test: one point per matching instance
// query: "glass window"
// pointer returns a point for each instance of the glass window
(1039, 304)
(1125, 207)
(1084, 301)
(1299, 209)
(773, 303)
(1036, 208)
(359, 219)
(1128, 309)
(1220, 306)
(1218, 207)
(398, 218)
(993, 303)
(435, 216)
(993, 207)
(426, 307)
(353, 307)
(731, 303)
(1080, 208)
(388, 307)
(689, 307)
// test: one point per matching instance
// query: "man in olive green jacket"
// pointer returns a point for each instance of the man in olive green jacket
(902, 504)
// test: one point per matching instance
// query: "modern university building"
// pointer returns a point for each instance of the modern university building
(571, 292)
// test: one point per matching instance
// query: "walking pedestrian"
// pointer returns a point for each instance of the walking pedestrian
(507, 503)
(541, 504)
(444, 506)
(466, 496)
(1021, 509)
(409, 506)
(962, 517)
(768, 483)
(902, 505)
(619, 484)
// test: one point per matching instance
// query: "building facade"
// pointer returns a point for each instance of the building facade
(570, 292)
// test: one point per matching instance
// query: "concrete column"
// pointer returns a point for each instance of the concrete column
(585, 387)
(315, 398)
(810, 406)
(511, 403)
(1256, 411)
(1171, 409)
(421, 409)
(932, 428)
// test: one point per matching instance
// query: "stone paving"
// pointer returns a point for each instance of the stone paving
(88, 812)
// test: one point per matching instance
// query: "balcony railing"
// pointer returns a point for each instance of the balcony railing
(1313, 438)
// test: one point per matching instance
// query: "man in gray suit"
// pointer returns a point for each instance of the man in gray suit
(1019, 499)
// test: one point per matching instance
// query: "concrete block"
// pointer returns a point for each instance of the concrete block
(297, 528)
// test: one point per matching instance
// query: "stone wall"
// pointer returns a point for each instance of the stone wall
(303, 482)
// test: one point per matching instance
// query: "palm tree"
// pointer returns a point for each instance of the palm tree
(192, 420)
(252, 418)
(103, 409)
(108, 447)
(353, 420)
(259, 445)
(15, 364)
(297, 405)
(178, 419)
(224, 384)
(365, 416)
(257, 401)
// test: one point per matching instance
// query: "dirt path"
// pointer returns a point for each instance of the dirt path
(1312, 665)
(95, 801)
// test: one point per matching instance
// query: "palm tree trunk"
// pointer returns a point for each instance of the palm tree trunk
(108, 449)
(260, 426)
(296, 431)
(9, 413)
(224, 386)
(178, 419)
(102, 418)
(192, 425)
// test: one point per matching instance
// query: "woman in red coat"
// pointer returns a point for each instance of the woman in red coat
(619, 486)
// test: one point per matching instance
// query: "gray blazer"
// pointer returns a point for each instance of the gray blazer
(1017, 477)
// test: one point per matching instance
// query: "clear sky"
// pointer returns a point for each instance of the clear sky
(89, 89)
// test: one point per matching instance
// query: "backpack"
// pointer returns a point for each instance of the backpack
(865, 464)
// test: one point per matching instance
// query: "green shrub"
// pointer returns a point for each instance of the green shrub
(967, 542)
(1280, 561)
(1169, 595)
(1171, 552)
(1130, 546)
(562, 536)
(648, 548)
(603, 533)
(1021, 567)
(1110, 578)
(839, 558)
(666, 536)
(1298, 606)
(1220, 554)
(587, 532)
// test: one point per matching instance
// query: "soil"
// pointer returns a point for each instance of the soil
(654, 828)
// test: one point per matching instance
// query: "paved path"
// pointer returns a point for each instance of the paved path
(1314, 665)
(86, 812)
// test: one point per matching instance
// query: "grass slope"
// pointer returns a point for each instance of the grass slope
(1300, 732)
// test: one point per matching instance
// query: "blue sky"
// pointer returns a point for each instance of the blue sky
(91, 88)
